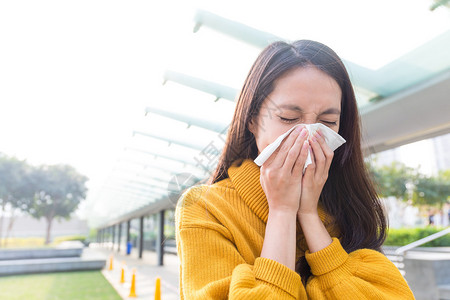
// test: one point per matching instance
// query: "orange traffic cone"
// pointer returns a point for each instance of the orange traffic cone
(122, 276)
(110, 262)
(158, 289)
(133, 285)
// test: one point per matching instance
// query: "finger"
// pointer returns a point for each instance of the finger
(284, 147)
(297, 170)
(275, 154)
(319, 156)
(295, 150)
(308, 176)
(326, 150)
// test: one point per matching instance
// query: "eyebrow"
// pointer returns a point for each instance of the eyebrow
(328, 111)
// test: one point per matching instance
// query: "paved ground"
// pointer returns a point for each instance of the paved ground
(146, 272)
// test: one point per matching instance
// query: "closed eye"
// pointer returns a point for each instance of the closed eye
(288, 120)
(330, 123)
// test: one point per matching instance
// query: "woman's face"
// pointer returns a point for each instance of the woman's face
(304, 95)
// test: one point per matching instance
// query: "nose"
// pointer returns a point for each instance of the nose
(309, 118)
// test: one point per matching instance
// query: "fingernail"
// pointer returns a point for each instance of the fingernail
(304, 132)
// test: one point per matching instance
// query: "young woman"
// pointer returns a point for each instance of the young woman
(274, 232)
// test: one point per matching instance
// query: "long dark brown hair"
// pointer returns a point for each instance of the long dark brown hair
(349, 194)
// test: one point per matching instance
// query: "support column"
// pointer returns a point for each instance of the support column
(119, 237)
(113, 236)
(141, 236)
(128, 232)
(160, 239)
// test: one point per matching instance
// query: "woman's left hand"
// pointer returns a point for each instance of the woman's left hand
(316, 175)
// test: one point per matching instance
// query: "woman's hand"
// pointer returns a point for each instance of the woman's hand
(316, 174)
(281, 175)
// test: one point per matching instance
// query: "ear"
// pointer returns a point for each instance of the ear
(251, 126)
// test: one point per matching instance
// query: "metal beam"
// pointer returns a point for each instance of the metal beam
(137, 186)
(151, 208)
(127, 192)
(203, 123)
(146, 166)
(118, 204)
(127, 199)
(156, 155)
(121, 205)
(138, 176)
(244, 33)
(216, 89)
(142, 184)
(187, 144)
(186, 164)
(150, 188)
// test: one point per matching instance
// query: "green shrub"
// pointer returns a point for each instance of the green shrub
(37, 242)
(404, 236)
(92, 234)
(60, 239)
(28, 242)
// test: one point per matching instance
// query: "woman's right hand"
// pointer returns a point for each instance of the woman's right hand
(281, 175)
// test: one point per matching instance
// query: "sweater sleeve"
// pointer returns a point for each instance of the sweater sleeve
(211, 266)
(361, 274)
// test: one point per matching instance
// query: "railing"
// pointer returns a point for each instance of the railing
(396, 259)
(397, 256)
(441, 289)
(427, 239)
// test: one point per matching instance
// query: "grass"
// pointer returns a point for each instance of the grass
(54, 286)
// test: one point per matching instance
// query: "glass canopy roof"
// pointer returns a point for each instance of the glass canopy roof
(185, 122)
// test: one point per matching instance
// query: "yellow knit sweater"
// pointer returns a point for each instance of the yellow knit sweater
(220, 232)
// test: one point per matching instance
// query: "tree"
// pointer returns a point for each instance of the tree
(15, 188)
(407, 183)
(432, 190)
(439, 3)
(59, 189)
(394, 179)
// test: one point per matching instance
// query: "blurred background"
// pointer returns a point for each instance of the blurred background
(109, 110)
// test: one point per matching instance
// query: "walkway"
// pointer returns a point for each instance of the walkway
(146, 272)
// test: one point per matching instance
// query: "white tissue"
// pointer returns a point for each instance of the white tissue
(333, 140)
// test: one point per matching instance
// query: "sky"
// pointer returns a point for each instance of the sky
(76, 76)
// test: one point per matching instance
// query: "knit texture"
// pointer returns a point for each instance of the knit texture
(220, 233)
